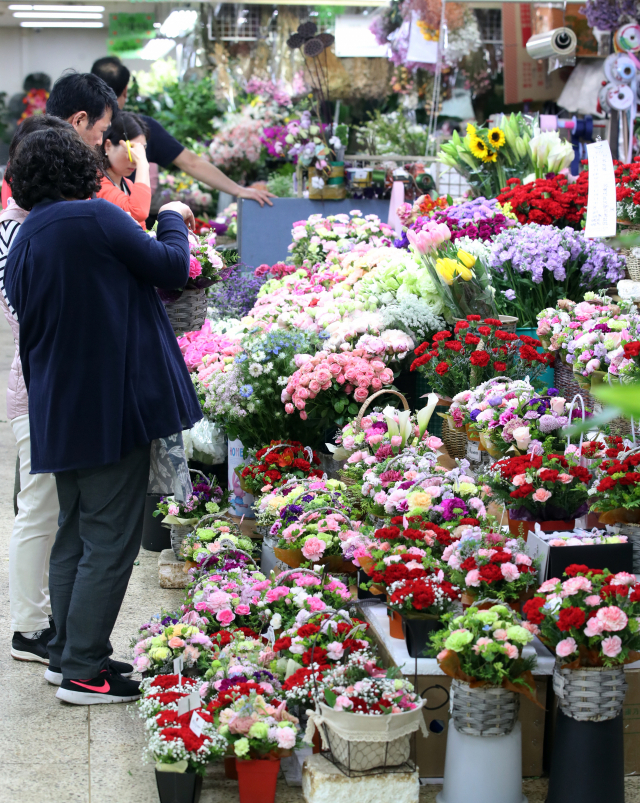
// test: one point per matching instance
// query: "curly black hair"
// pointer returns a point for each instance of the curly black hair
(53, 164)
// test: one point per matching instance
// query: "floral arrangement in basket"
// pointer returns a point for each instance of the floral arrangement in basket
(228, 599)
(624, 365)
(616, 491)
(271, 504)
(528, 422)
(213, 539)
(422, 597)
(316, 238)
(207, 498)
(477, 351)
(484, 648)
(206, 265)
(276, 464)
(490, 565)
(328, 387)
(590, 619)
(533, 266)
(242, 659)
(160, 645)
(477, 409)
(170, 738)
(546, 487)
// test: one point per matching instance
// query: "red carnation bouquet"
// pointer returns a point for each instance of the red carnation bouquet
(170, 738)
(423, 597)
(548, 201)
(547, 487)
(475, 352)
(590, 619)
(616, 491)
(276, 464)
(628, 190)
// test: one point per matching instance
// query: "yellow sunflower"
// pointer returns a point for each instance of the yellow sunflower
(471, 130)
(496, 137)
(478, 147)
(491, 156)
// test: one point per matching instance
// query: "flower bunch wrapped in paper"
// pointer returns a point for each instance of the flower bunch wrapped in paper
(589, 619)
(490, 565)
(487, 157)
(207, 498)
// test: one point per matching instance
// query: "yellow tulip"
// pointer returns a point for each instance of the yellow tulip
(445, 270)
(466, 258)
(464, 272)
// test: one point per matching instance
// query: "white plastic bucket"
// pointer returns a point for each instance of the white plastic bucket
(241, 502)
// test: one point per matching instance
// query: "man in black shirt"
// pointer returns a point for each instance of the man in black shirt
(163, 149)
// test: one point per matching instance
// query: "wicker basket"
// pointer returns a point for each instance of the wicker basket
(590, 694)
(484, 711)
(455, 441)
(568, 387)
(188, 313)
(633, 261)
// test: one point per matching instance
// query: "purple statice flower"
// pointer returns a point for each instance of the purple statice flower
(234, 296)
(453, 508)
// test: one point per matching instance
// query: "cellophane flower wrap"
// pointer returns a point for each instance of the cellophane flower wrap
(490, 565)
(545, 487)
(278, 463)
(317, 238)
(477, 351)
(484, 648)
(589, 619)
(170, 740)
(534, 266)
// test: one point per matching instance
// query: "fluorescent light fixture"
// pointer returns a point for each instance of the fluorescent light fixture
(156, 49)
(54, 15)
(179, 23)
(82, 9)
(46, 24)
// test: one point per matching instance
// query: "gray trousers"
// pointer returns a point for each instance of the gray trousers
(99, 535)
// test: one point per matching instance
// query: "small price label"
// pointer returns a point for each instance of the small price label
(178, 664)
(473, 451)
(189, 703)
(197, 723)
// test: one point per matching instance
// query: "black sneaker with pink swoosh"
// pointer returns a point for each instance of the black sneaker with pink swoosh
(108, 687)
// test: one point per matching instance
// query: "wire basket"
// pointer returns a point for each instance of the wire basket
(484, 711)
(188, 313)
(590, 693)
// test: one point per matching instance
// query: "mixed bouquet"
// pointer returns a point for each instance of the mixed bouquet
(276, 464)
(422, 597)
(542, 487)
(491, 565)
(207, 498)
(486, 401)
(212, 539)
(533, 266)
(161, 644)
(477, 351)
(484, 648)
(590, 619)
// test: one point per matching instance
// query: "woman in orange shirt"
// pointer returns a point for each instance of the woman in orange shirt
(120, 162)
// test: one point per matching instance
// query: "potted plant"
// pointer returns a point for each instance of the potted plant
(548, 488)
(180, 754)
(488, 565)
(590, 621)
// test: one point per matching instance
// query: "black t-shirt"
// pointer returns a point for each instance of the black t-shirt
(162, 148)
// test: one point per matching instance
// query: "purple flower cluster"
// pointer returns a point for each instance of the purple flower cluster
(453, 508)
(236, 294)
(536, 251)
(483, 229)
(607, 15)
(478, 209)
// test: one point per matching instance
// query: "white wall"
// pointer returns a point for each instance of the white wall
(23, 51)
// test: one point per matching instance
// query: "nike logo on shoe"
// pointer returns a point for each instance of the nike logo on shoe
(100, 689)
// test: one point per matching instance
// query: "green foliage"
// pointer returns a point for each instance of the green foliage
(391, 133)
(281, 185)
(185, 109)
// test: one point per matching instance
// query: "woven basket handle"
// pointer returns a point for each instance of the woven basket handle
(229, 545)
(204, 476)
(324, 510)
(368, 401)
(214, 516)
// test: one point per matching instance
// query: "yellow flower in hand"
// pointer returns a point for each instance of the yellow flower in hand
(466, 258)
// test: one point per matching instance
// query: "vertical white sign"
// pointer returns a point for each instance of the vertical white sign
(601, 204)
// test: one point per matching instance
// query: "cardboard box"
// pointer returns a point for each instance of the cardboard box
(431, 751)
(555, 559)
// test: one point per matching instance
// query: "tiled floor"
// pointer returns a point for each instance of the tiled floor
(52, 752)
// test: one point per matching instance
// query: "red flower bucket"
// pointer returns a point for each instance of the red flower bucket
(257, 779)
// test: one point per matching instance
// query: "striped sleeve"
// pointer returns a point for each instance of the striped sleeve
(8, 231)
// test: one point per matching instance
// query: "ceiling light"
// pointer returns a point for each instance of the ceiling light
(83, 9)
(54, 15)
(45, 24)
(179, 23)
(156, 49)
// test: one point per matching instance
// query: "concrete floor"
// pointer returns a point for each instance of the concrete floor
(58, 753)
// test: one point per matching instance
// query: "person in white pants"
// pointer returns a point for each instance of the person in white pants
(36, 522)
